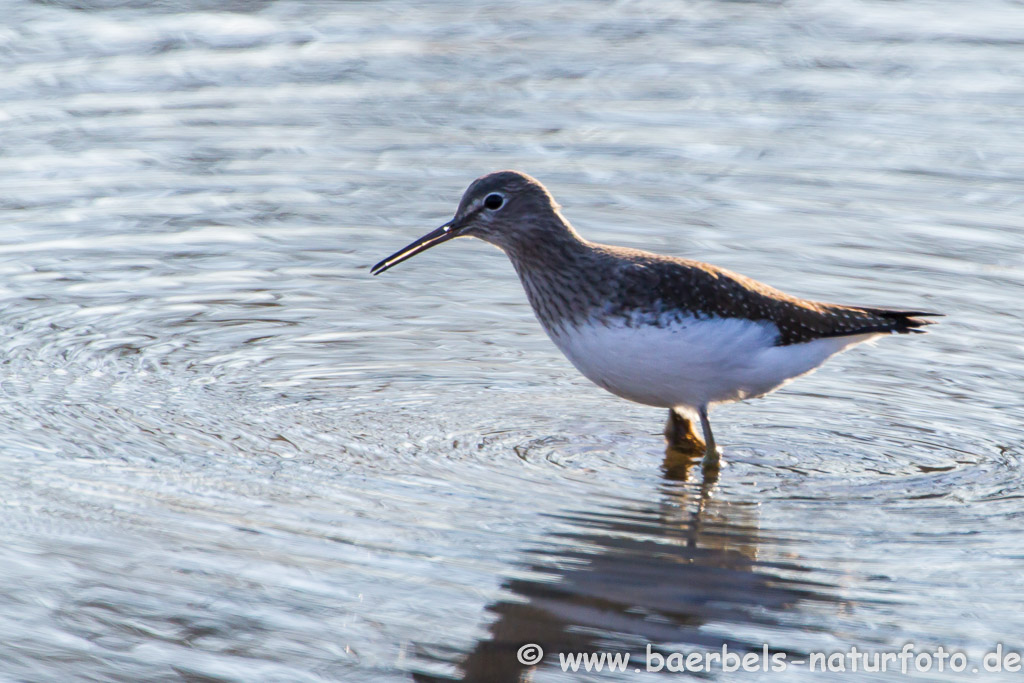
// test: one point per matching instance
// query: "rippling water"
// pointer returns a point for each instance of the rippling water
(229, 454)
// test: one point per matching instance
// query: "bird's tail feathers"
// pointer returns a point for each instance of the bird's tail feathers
(903, 322)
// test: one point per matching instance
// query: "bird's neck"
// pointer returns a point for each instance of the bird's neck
(557, 270)
(546, 247)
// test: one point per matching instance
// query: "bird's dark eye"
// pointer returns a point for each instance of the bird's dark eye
(494, 201)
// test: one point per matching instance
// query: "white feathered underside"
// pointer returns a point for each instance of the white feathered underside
(692, 362)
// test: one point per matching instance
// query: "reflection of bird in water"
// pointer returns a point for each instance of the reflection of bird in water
(624, 576)
(654, 329)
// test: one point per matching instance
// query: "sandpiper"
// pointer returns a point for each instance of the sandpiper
(658, 330)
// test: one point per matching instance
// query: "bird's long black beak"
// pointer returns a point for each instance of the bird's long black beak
(433, 238)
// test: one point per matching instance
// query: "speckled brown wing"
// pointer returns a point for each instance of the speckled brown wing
(704, 290)
(801, 320)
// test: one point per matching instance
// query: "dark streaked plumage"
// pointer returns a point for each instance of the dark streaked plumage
(651, 289)
(708, 331)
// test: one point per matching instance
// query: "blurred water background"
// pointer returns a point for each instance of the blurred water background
(229, 454)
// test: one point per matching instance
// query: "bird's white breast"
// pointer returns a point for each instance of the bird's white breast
(692, 361)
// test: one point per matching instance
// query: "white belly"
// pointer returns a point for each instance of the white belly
(692, 363)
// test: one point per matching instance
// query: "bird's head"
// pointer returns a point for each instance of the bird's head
(504, 208)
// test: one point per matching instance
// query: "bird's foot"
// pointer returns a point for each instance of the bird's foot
(711, 465)
(683, 447)
(681, 436)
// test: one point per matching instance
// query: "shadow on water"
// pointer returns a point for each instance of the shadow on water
(638, 573)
